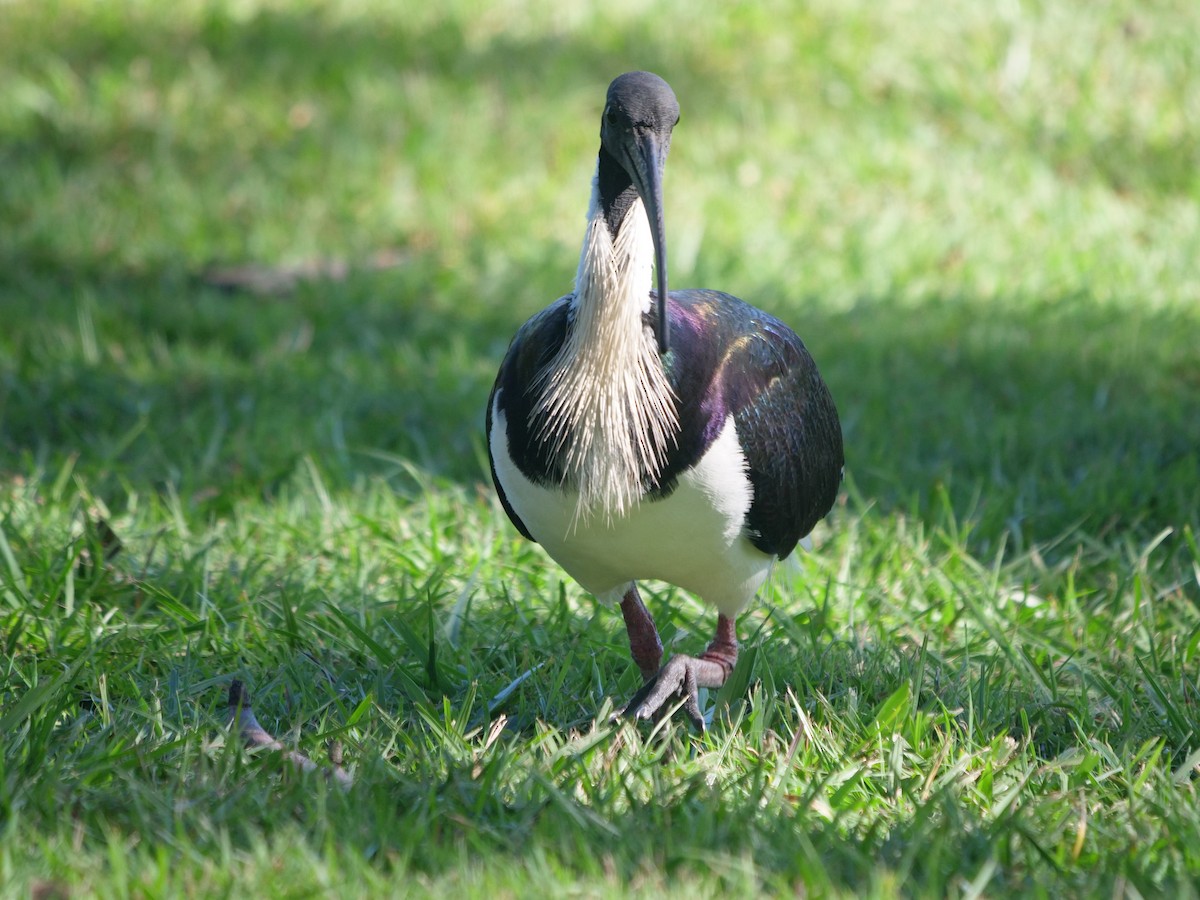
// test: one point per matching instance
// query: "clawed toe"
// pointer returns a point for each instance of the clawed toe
(676, 681)
(683, 676)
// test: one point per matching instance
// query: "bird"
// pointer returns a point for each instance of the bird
(638, 433)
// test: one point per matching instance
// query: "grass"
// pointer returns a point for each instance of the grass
(985, 224)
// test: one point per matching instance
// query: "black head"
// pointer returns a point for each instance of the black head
(637, 103)
(635, 132)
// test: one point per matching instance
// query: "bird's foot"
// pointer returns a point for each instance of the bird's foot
(680, 679)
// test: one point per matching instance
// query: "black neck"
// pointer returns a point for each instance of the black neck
(617, 192)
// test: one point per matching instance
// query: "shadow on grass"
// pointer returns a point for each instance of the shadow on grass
(1033, 417)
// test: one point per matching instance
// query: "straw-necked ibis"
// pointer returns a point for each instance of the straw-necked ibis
(639, 434)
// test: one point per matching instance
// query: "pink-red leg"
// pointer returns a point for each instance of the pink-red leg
(644, 645)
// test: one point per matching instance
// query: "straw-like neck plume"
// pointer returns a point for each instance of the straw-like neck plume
(608, 409)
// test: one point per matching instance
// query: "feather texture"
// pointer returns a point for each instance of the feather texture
(605, 409)
(728, 360)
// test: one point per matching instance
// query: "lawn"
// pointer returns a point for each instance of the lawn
(259, 262)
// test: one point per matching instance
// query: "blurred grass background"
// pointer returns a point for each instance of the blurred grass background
(990, 215)
(982, 219)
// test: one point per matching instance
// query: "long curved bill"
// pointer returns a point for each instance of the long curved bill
(650, 161)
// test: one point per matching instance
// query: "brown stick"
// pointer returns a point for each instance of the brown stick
(254, 736)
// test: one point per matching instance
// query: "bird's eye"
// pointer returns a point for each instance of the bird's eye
(610, 116)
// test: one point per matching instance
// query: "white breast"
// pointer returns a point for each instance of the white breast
(693, 539)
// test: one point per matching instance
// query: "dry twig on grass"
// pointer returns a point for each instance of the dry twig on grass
(254, 736)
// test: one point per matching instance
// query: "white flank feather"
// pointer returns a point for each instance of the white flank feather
(608, 408)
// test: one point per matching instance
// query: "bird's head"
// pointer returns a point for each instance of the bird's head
(635, 129)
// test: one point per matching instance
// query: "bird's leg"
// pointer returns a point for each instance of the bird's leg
(723, 648)
(644, 645)
(683, 676)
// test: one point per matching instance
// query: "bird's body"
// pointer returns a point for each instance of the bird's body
(701, 524)
(685, 437)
